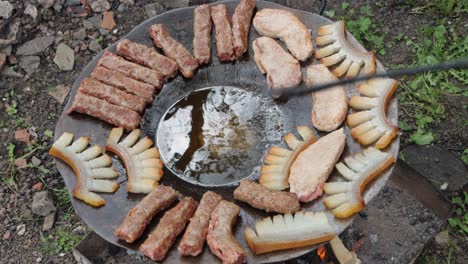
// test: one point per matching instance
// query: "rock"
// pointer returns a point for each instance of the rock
(10, 35)
(39, 260)
(6, 9)
(95, 46)
(9, 72)
(79, 230)
(60, 93)
(31, 10)
(36, 161)
(64, 57)
(29, 63)
(42, 204)
(6, 235)
(22, 135)
(35, 46)
(21, 163)
(58, 5)
(3, 58)
(92, 22)
(80, 34)
(72, 3)
(153, 9)
(107, 21)
(174, 3)
(38, 186)
(21, 229)
(49, 221)
(128, 2)
(443, 238)
(104, 32)
(46, 3)
(100, 6)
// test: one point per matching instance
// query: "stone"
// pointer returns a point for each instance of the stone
(42, 205)
(58, 5)
(92, 22)
(36, 161)
(35, 46)
(3, 58)
(21, 163)
(10, 35)
(128, 2)
(22, 135)
(174, 3)
(80, 34)
(46, 3)
(72, 3)
(6, 9)
(29, 63)
(153, 9)
(107, 21)
(95, 46)
(10, 72)
(79, 230)
(100, 6)
(31, 10)
(49, 221)
(6, 235)
(60, 92)
(64, 57)
(442, 238)
(21, 229)
(38, 186)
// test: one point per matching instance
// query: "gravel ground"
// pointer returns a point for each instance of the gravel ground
(35, 82)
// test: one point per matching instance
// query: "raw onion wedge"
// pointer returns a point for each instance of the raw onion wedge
(142, 163)
(336, 49)
(92, 169)
(345, 198)
(275, 173)
(369, 124)
(288, 231)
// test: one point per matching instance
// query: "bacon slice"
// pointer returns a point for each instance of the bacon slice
(92, 169)
(195, 234)
(124, 83)
(220, 239)
(174, 50)
(140, 216)
(330, 105)
(202, 34)
(369, 123)
(112, 114)
(314, 164)
(170, 226)
(241, 26)
(262, 198)
(286, 232)
(345, 198)
(275, 173)
(336, 49)
(141, 73)
(112, 95)
(223, 32)
(142, 163)
(148, 57)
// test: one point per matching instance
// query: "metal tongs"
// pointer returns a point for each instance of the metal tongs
(299, 91)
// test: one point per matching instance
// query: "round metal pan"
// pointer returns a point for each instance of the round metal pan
(243, 74)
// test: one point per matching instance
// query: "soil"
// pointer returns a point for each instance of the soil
(38, 112)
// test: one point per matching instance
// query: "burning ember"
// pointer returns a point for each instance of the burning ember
(322, 253)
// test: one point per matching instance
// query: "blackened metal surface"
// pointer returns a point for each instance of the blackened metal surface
(242, 73)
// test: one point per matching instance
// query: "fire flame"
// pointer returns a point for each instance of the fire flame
(322, 253)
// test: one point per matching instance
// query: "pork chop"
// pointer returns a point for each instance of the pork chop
(312, 167)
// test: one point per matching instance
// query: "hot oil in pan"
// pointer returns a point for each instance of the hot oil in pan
(217, 135)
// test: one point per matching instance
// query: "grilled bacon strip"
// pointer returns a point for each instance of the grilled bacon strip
(140, 216)
(112, 95)
(223, 32)
(174, 50)
(148, 57)
(202, 34)
(112, 114)
(170, 226)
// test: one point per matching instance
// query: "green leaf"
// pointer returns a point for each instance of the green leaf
(453, 222)
(329, 13)
(48, 133)
(11, 151)
(404, 126)
(421, 138)
(344, 5)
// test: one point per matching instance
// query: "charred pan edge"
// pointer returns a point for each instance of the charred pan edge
(336, 49)
(288, 231)
(92, 169)
(345, 198)
(369, 124)
(142, 163)
(275, 173)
